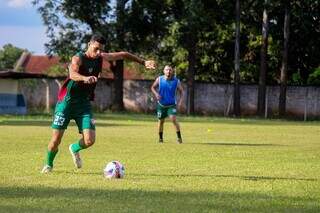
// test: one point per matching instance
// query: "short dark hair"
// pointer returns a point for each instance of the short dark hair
(98, 38)
(169, 65)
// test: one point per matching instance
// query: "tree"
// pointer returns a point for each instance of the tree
(198, 39)
(187, 22)
(70, 24)
(193, 17)
(9, 55)
(236, 96)
(117, 68)
(304, 40)
(284, 66)
(263, 62)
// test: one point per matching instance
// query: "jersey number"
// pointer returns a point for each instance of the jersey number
(58, 120)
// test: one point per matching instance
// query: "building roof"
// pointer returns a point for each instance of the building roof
(39, 64)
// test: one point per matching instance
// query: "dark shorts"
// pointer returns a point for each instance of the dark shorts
(81, 113)
(165, 111)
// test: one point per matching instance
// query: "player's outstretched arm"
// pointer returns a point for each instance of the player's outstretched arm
(149, 64)
(74, 72)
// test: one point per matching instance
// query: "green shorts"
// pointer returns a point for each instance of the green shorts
(165, 111)
(80, 112)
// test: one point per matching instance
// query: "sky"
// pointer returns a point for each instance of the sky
(21, 26)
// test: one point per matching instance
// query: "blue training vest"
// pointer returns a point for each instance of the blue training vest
(167, 90)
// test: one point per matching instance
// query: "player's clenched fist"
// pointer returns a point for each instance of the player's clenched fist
(90, 79)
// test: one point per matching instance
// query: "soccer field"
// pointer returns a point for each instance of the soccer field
(224, 165)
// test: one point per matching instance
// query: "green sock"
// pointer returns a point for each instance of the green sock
(50, 157)
(76, 147)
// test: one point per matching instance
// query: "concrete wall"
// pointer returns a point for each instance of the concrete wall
(209, 98)
(35, 93)
(35, 90)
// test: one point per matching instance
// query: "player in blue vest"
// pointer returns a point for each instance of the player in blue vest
(165, 88)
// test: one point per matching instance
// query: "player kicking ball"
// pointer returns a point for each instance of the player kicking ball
(75, 95)
(164, 89)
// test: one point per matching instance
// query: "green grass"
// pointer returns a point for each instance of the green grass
(224, 165)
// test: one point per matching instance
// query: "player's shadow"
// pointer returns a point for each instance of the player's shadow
(48, 123)
(237, 144)
(106, 198)
(248, 122)
(243, 177)
(68, 172)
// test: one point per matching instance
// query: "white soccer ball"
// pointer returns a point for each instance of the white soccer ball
(113, 170)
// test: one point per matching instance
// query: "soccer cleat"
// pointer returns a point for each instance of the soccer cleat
(46, 169)
(179, 140)
(76, 158)
(160, 140)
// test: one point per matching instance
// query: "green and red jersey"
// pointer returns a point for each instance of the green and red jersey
(75, 91)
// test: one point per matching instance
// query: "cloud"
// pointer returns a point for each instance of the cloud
(19, 3)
